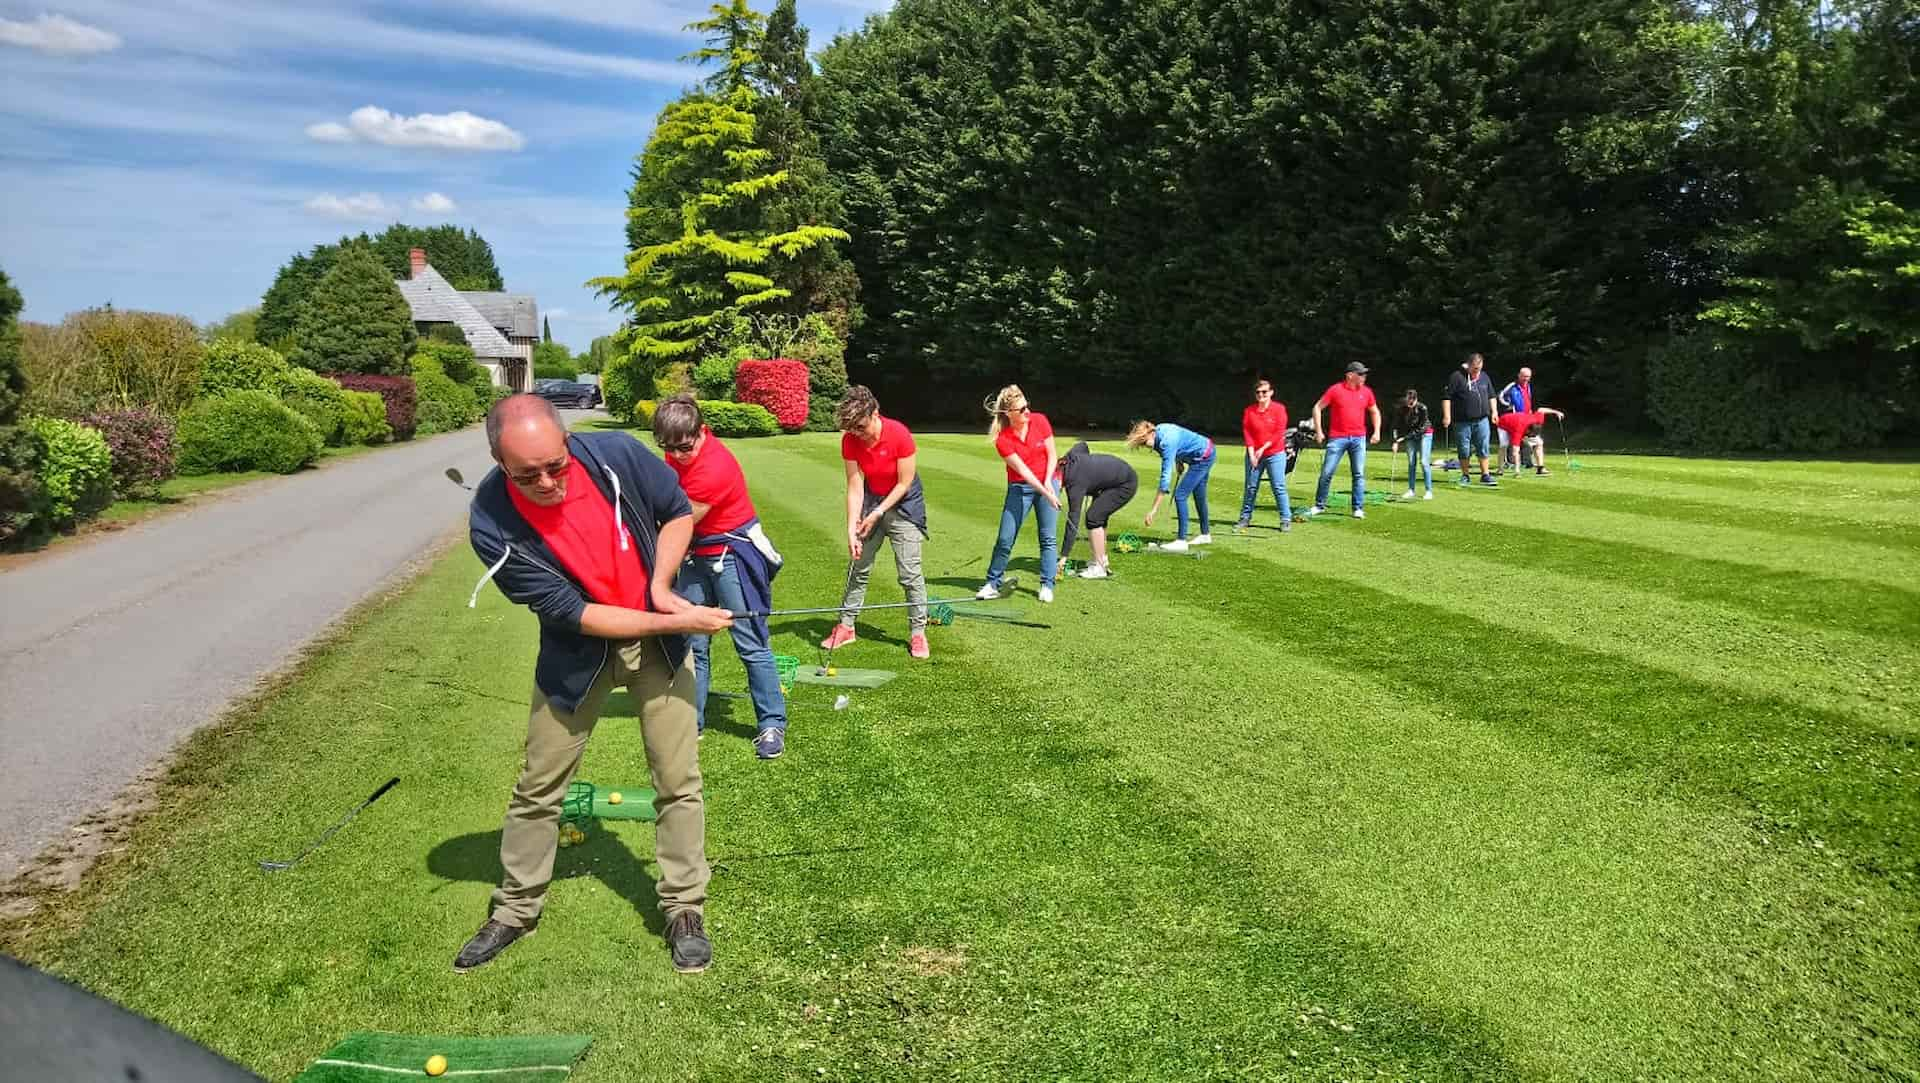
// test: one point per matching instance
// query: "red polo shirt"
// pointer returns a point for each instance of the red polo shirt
(582, 532)
(1516, 425)
(1347, 409)
(1030, 449)
(713, 477)
(1267, 427)
(879, 464)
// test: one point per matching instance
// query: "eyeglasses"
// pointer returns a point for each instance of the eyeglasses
(556, 470)
(677, 449)
(1264, 391)
(1023, 408)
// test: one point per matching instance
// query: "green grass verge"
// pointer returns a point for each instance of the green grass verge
(1599, 776)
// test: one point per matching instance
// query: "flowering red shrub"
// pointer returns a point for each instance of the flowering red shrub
(780, 385)
(141, 443)
(396, 391)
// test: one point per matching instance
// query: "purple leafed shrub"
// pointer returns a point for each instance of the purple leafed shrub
(141, 442)
(396, 391)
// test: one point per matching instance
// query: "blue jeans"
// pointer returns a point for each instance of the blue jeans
(701, 584)
(1194, 483)
(1020, 498)
(1355, 446)
(1274, 469)
(1420, 459)
(1471, 439)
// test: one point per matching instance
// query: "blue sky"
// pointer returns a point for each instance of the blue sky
(171, 154)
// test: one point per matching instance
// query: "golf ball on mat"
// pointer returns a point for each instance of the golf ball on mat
(613, 798)
(436, 1065)
(833, 671)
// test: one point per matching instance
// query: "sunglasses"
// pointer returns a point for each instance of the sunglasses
(555, 470)
(677, 449)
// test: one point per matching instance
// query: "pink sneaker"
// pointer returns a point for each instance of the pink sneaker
(839, 637)
(917, 645)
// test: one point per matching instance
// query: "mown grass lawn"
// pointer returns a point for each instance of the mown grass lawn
(1610, 775)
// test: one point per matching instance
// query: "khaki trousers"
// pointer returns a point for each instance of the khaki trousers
(555, 741)
(907, 541)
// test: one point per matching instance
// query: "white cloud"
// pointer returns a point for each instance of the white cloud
(435, 203)
(329, 132)
(458, 130)
(366, 205)
(58, 35)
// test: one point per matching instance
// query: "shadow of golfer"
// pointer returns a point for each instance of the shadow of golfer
(476, 857)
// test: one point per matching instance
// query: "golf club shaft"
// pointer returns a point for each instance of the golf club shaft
(857, 608)
(348, 818)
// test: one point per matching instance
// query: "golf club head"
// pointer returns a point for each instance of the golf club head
(275, 866)
(454, 475)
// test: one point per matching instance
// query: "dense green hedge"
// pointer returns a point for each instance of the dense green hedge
(738, 418)
(363, 419)
(441, 405)
(76, 471)
(245, 430)
(1708, 393)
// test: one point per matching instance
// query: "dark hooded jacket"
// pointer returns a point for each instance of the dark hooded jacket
(646, 493)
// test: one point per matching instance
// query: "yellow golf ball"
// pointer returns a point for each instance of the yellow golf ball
(833, 671)
(613, 798)
(436, 1065)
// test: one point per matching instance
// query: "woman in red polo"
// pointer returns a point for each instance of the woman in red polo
(884, 503)
(1024, 440)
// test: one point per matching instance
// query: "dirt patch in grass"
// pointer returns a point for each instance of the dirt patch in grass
(936, 962)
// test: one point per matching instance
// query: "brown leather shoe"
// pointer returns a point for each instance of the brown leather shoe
(687, 939)
(492, 938)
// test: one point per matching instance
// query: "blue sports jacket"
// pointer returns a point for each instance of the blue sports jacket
(1176, 444)
(645, 492)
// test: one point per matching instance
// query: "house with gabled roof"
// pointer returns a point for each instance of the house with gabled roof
(500, 327)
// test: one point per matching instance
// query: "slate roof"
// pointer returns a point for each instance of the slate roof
(434, 300)
(517, 314)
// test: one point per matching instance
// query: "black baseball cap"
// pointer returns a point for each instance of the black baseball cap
(1357, 367)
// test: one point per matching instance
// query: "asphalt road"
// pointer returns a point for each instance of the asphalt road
(115, 648)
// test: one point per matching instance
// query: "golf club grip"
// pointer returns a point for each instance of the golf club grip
(384, 787)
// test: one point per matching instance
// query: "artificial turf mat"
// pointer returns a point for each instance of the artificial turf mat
(371, 1055)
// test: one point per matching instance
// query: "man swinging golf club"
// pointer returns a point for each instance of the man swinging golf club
(589, 531)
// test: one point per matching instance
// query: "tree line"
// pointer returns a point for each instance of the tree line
(1695, 216)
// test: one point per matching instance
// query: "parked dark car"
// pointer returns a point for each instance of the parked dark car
(568, 395)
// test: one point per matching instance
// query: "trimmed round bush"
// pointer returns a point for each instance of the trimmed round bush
(395, 391)
(232, 365)
(737, 418)
(246, 430)
(442, 405)
(76, 471)
(363, 419)
(780, 385)
(141, 443)
(315, 398)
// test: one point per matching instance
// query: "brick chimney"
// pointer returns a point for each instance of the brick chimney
(418, 257)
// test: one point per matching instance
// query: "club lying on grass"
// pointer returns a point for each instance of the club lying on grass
(279, 866)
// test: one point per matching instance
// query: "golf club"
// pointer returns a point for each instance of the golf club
(278, 866)
(1008, 583)
(454, 475)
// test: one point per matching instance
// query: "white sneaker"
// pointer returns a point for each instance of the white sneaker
(1202, 539)
(1094, 571)
(1177, 545)
(1313, 511)
(1408, 495)
(1359, 513)
(1429, 495)
(1046, 595)
(987, 593)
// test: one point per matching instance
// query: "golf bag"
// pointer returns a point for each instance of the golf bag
(1298, 437)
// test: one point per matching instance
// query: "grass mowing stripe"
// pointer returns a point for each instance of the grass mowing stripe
(1806, 598)
(1877, 564)
(1157, 699)
(1783, 476)
(1893, 529)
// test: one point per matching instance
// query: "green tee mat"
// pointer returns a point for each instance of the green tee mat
(585, 801)
(367, 1056)
(1370, 496)
(845, 678)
